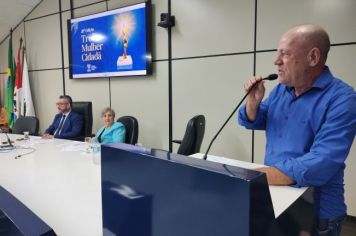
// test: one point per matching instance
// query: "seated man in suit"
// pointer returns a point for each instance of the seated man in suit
(67, 124)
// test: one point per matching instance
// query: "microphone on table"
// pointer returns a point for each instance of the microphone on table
(9, 140)
(270, 77)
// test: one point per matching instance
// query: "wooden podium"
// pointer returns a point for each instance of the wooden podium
(156, 193)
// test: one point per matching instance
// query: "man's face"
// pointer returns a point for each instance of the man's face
(63, 105)
(291, 60)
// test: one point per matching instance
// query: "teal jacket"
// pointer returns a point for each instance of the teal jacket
(116, 133)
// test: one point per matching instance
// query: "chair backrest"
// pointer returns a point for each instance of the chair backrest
(85, 109)
(131, 126)
(193, 136)
(26, 123)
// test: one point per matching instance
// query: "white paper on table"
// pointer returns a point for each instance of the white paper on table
(73, 147)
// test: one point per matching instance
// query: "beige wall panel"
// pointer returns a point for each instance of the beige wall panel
(80, 3)
(43, 43)
(123, 3)
(46, 87)
(95, 90)
(46, 7)
(213, 87)
(16, 35)
(342, 63)
(4, 47)
(88, 10)
(65, 5)
(146, 98)
(277, 16)
(65, 17)
(159, 35)
(206, 27)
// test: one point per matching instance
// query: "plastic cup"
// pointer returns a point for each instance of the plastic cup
(26, 135)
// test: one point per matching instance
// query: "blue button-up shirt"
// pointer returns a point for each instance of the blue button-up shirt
(310, 136)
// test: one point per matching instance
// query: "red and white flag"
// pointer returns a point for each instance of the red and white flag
(18, 87)
(27, 108)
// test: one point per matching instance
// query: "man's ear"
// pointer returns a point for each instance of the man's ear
(314, 57)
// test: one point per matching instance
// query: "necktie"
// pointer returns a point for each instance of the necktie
(58, 131)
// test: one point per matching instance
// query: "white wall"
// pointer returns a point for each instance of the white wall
(219, 35)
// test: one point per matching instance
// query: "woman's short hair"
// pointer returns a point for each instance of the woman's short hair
(106, 110)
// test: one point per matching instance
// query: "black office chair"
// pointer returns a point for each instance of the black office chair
(193, 136)
(26, 123)
(85, 109)
(131, 126)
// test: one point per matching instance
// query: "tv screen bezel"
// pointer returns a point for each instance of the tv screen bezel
(149, 66)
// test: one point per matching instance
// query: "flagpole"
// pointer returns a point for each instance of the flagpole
(23, 52)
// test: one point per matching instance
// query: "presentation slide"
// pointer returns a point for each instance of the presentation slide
(112, 43)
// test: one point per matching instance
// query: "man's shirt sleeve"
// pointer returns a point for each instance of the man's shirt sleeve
(260, 122)
(330, 148)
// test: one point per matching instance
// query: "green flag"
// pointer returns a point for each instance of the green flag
(10, 83)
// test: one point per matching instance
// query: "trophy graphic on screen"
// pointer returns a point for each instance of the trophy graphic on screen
(125, 42)
(124, 27)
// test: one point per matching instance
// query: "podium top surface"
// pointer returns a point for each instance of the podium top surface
(234, 171)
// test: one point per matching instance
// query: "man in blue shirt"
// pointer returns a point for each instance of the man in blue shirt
(310, 123)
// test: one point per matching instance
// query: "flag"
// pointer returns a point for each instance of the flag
(18, 87)
(10, 86)
(27, 108)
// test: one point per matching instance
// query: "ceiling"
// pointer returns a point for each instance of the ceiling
(12, 12)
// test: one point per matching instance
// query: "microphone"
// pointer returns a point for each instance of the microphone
(8, 140)
(270, 77)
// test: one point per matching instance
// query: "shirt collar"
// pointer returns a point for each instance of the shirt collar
(66, 114)
(324, 79)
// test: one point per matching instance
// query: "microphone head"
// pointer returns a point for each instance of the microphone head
(271, 77)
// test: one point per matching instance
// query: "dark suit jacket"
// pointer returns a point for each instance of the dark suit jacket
(72, 127)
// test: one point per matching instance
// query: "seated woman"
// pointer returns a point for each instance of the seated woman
(112, 132)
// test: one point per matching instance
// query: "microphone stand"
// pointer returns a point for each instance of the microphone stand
(270, 77)
(8, 140)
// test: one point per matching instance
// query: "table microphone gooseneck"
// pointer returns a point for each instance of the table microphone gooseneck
(270, 77)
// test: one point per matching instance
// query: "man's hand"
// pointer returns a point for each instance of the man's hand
(47, 136)
(255, 97)
(275, 176)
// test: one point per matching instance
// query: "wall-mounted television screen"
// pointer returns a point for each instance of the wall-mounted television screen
(112, 43)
